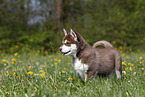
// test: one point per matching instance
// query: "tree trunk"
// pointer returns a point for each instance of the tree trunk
(58, 11)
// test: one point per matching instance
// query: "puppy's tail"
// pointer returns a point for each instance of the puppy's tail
(102, 43)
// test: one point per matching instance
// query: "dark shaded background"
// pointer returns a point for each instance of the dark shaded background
(39, 23)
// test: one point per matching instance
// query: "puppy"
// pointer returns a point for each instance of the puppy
(91, 61)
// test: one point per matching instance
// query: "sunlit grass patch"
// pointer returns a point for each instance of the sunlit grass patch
(53, 75)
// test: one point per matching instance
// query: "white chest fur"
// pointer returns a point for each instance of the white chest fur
(80, 68)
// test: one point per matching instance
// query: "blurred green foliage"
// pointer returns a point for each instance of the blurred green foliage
(120, 22)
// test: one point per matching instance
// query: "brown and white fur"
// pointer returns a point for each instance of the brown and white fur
(91, 61)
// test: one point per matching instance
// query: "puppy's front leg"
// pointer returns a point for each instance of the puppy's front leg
(89, 75)
(86, 77)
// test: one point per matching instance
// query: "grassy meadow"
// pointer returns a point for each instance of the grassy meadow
(28, 73)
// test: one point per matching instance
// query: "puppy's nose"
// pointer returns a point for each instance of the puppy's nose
(60, 48)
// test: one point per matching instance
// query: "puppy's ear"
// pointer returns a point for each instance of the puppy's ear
(81, 41)
(65, 33)
(73, 34)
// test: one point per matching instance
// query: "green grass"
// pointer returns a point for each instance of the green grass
(53, 75)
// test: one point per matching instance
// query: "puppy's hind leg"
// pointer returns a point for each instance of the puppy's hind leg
(118, 66)
(118, 74)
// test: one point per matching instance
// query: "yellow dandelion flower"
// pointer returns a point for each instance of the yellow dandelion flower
(11, 48)
(12, 62)
(59, 60)
(35, 90)
(68, 63)
(126, 68)
(4, 60)
(114, 42)
(55, 63)
(7, 92)
(30, 66)
(120, 47)
(140, 62)
(46, 52)
(13, 59)
(14, 73)
(123, 54)
(38, 52)
(64, 68)
(63, 71)
(20, 61)
(55, 59)
(43, 66)
(8, 66)
(42, 75)
(129, 63)
(51, 60)
(130, 69)
(132, 64)
(30, 72)
(23, 66)
(123, 63)
(16, 46)
(124, 74)
(14, 70)
(15, 54)
(8, 74)
(140, 58)
(70, 79)
(41, 71)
